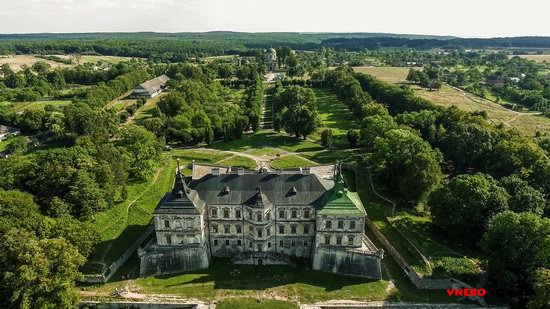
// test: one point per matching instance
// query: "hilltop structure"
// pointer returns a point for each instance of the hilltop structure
(259, 218)
(150, 88)
(271, 59)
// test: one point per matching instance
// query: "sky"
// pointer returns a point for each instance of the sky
(464, 18)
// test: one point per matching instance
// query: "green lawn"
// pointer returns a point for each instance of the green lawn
(223, 280)
(334, 115)
(268, 139)
(37, 105)
(250, 303)
(290, 161)
(265, 152)
(239, 161)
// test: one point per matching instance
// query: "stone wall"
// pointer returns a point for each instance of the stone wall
(173, 260)
(347, 262)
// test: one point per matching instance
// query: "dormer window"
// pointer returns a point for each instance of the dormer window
(293, 191)
(226, 190)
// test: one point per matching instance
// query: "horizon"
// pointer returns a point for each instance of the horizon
(468, 19)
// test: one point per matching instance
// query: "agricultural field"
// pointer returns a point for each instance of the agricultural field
(16, 62)
(537, 58)
(98, 58)
(526, 122)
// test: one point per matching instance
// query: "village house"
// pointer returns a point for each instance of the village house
(150, 88)
(6, 132)
(261, 217)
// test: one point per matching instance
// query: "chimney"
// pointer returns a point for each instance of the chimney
(216, 171)
(240, 171)
(301, 171)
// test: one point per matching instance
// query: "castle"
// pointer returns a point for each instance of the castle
(261, 217)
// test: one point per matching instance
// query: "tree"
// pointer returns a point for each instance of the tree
(353, 137)
(516, 246)
(38, 273)
(523, 197)
(41, 67)
(18, 145)
(326, 138)
(299, 112)
(143, 147)
(541, 286)
(463, 207)
(406, 164)
(172, 104)
(375, 126)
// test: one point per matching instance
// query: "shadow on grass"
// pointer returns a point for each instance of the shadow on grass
(109, 251)
(226, 275)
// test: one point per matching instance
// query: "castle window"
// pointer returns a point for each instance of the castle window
(237, 213)
(351, 239)
(306, 213)
(281, 214)
(260, 233)
(226, 229)
(214, 213)
(169, 239)
(305, 243)
(293, 243)
(328, 224)
(293, 229)
(227, 242)
(259, 247)
(352, 224)
(281, 243)
(339, 240)
(167, 224)
(269, 245)
(250, 215)
(294, 214)
(327, 240)
(258, 217)
(215, 242)
(215, 229)
(281, 229)
(239, 242)
(239, 229)
(306, 229)
(268, 216)
(268, 231)
(226, 213)
(250, 244)
(340, 224)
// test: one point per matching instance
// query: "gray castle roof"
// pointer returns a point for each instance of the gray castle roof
(181, 199)
(285, 189)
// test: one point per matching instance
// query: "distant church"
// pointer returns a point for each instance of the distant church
(261, 218)
(271, 59)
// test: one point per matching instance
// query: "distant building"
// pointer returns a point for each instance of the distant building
(271, 59)
(259, 218)
(150, 88)
(495, 81)
(6, 132)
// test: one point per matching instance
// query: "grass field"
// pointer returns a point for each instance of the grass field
(95, 59)
(37, 105)
(334, 115)
(290, 161)
(18, 61)
(449, 96)
(537, 58)
(239, 161)
(268, 139)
